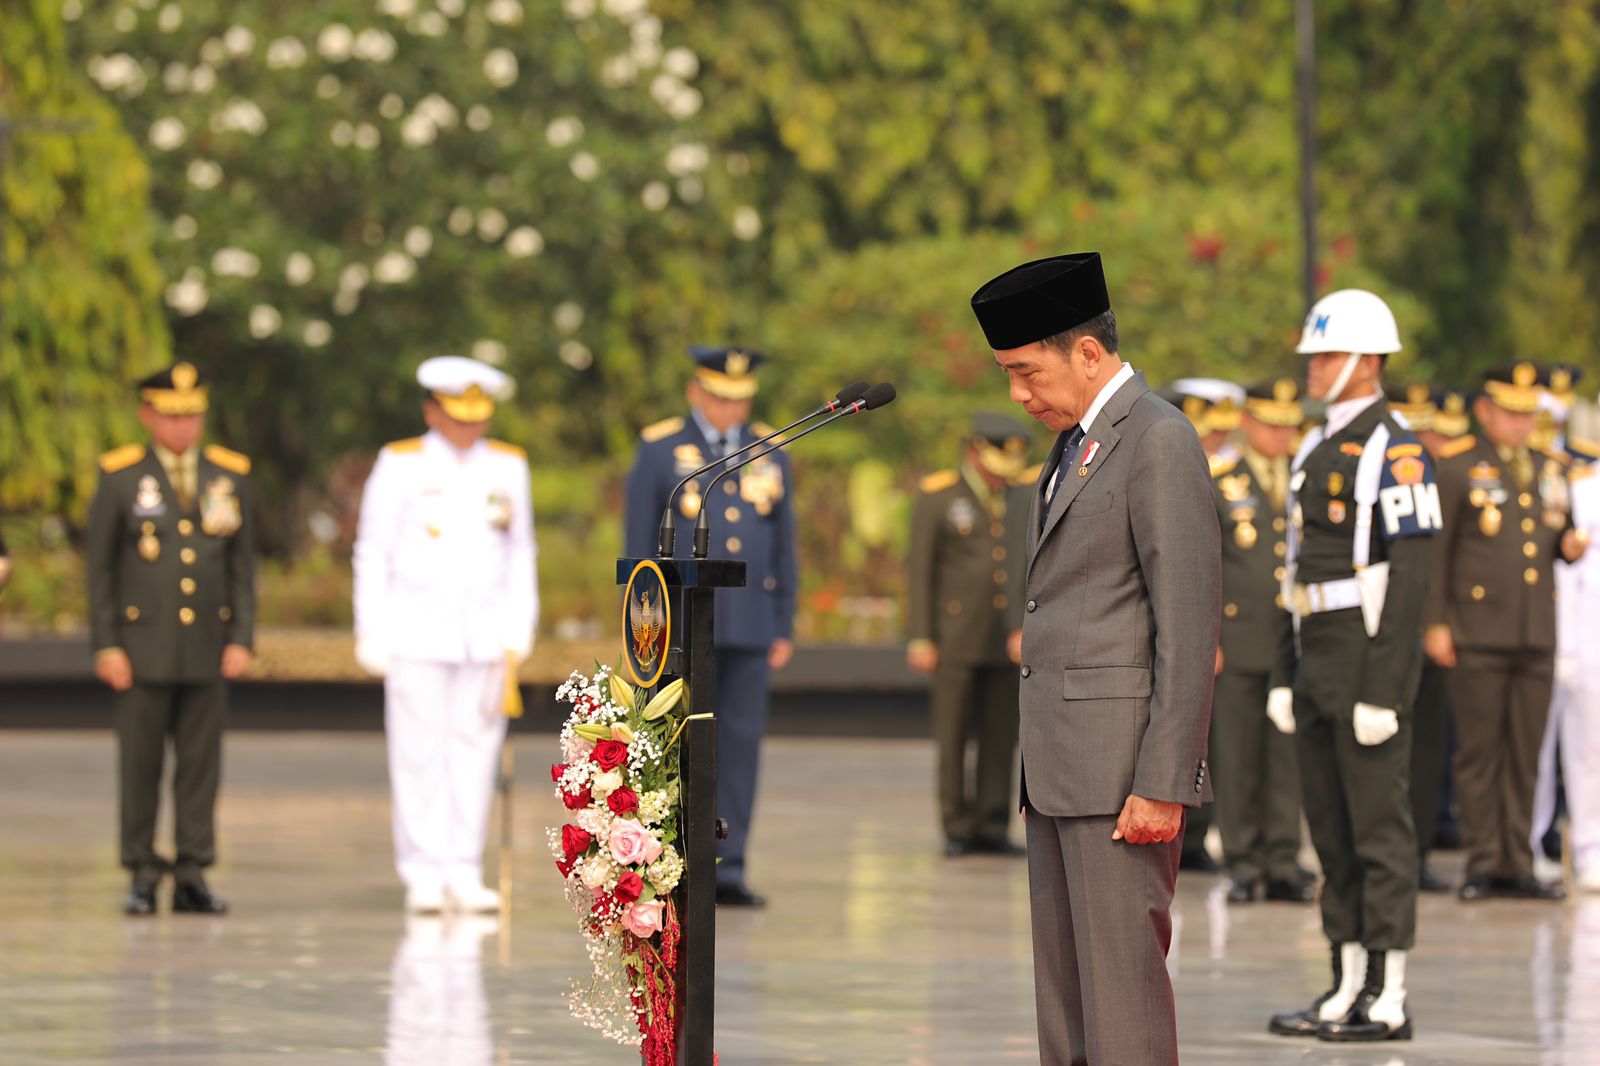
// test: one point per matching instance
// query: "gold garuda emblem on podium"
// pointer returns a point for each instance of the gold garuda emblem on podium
(646, 623)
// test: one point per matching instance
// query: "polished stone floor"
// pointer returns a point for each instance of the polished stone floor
(875, 950)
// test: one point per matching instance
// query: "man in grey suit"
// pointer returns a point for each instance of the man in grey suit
(1119, 639)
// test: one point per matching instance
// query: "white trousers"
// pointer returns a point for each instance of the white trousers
(445, 727)
(1575, 723)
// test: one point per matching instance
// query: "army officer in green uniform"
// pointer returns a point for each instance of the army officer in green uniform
(171, 612)
(968, 552)
(1255, 776)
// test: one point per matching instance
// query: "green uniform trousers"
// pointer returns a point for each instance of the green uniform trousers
(193, 715)
(1256, 780)
(1502, 701)
(975, 705)
(1357, 797)
(1430, 753)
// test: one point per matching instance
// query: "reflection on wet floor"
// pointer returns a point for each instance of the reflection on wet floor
(875, 948)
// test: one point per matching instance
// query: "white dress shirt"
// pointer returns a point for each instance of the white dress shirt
(444, 556)
(1102, 398)
(1344, 412)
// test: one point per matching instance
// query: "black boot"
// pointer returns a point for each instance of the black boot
(193, 896)
(1380, 1012)
(1305, 1022)
(141, 899)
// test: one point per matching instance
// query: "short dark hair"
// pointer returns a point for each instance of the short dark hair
(1102, 327)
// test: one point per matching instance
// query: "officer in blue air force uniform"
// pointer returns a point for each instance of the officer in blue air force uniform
(752, 518)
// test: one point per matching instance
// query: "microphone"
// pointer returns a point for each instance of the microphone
(877, 396)
(666, 534)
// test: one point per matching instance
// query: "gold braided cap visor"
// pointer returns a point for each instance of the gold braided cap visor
(474, 405)
(1276, 412)
(191, 401)
(1518, 399)
(726, 386)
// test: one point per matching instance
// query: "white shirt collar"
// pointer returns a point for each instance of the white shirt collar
(1118, 379)
(1344, 412)
(710, 433)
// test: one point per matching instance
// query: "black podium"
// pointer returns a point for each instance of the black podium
(691, 588)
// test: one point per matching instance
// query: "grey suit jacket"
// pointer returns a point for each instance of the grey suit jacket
(1119, 635)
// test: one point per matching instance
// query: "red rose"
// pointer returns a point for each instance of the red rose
(623, 801)
(574, 841)
(556, 771)
(609, 754)
(576, 801)
(565, 866)
(630, 886)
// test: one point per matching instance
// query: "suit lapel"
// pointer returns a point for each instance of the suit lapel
(1102, 431)
(1046, 472)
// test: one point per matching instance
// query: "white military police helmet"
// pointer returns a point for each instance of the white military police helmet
(1350, 320)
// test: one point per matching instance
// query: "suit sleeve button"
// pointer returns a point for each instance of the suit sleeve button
(1027, 671)
(1033, 605)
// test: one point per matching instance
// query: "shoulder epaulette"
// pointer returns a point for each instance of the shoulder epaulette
(1582, 470)
(1459, 446)
(1029, 476)
(228, 459)
(507, 448)
(939, 481)
(1561, 457)
(404, 447)
(1221, 464)
(121, 458)
(661, 430)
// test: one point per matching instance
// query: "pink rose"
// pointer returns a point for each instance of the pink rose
(644, 920)
(632, 843)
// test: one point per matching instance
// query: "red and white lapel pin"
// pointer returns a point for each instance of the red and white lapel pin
(1088, 457)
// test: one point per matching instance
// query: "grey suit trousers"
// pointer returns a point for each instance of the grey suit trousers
(1101, 929)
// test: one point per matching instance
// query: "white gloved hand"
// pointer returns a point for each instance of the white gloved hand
(1374, 725)
(1280, 709)
(371, 658)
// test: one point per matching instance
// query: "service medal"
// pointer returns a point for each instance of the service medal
(1244, 535)
(148, 500)
(689, 502)
(1335, 485)
(149, 547)
(499, 511)
(220, 515)
(962, 515)
(1336, 511)
(1489, 520)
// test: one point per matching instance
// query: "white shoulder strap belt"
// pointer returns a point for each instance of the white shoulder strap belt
(1369, 585)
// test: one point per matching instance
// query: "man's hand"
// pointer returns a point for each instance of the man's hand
(1217, 669)
(113, 667)
(1574, 542)
(1280, 708)
(780, 653)
(1148, 821)
(1374, 725)
(1440, 645)
(235, 661)
(1014, 646)
(922, 656)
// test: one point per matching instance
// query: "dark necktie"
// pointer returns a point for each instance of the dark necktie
(1068, 452)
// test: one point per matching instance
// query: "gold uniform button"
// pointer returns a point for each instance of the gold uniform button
(1230, 610)
(1279, 525)
(1527, 525)
(999, 603)
(188, 556)
(132, 614)
(185, 527)
(729, 487)
(1280, 549)
(224, 614)
(1277, 601)
(148, 528)
(734, 544)
(1531, 576)
(997, 530)
(999, 555)
(999, 577)
(1277, 575)
(186, 616)
(187, 585)
(1478, 592)
(1530, 549)
(954, 607)
(731, 514)
(1526, 499)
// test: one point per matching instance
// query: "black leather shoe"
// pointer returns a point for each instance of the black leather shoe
(1428, 881)
(738, 896)
(1199, 862)
(1447, 838)
(1243, 890)
(1475, 889)
(1533, 888)
(1305, 1022)
(141, 899)
(1356, 1027)
(996, 846)
(1296, 891)
(193, 897)
(954, 849)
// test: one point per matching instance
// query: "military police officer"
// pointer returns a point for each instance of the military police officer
(1255, 777)
(1492, 617)
(171, 564)
(751, 517)
(969, 541)
(446, 603)
(1363, 510)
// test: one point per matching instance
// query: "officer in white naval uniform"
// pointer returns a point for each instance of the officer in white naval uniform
(445, 606)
